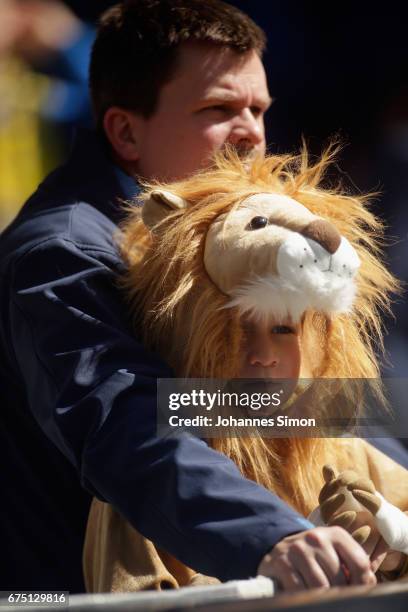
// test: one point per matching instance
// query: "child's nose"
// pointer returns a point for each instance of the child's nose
(265, 356)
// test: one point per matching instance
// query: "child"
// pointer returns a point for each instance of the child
(254, 271)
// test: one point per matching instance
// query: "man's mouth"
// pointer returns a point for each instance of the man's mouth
(245, 153)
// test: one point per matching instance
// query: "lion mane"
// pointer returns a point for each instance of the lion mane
(180, 313)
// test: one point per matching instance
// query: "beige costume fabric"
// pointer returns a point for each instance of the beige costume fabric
(118, 559)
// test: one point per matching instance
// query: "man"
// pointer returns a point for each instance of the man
(171, 81)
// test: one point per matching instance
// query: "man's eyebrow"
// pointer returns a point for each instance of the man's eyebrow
(227, 96)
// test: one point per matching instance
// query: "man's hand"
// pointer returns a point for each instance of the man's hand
(319, 557)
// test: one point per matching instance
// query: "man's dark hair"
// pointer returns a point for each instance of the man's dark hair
(135, 51)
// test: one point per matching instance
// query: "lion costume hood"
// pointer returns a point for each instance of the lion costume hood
(272, 256)
(264, 239)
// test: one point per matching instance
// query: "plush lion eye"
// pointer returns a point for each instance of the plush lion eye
(258, 223)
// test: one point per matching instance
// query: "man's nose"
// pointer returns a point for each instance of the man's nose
(247, 131)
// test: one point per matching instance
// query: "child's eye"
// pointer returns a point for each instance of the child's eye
(282, 329)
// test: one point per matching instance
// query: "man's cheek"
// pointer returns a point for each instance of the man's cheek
(216, 136)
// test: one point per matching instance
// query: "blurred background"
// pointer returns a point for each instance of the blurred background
(333, 70)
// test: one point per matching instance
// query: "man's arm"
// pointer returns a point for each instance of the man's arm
(92, 389)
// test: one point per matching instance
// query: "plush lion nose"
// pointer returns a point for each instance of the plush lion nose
(324, 233)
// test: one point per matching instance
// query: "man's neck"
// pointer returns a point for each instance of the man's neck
(126, 167)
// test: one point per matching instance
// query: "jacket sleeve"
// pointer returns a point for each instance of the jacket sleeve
(92, 390)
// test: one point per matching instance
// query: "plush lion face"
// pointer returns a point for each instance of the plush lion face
(272, 256)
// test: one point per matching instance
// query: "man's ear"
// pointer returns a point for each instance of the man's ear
(159, 204)
(122, 128)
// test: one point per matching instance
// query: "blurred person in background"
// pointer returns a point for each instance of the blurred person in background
(44, 58)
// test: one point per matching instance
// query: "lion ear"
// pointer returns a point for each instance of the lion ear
(160, 203)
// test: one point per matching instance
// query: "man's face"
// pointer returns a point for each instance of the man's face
(215, 97)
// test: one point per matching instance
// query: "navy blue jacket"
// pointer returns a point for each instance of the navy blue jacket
(78, 402)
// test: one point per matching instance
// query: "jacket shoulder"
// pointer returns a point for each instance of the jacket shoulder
(79, 224)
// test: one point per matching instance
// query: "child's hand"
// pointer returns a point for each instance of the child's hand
(390, 521)
(353, 503)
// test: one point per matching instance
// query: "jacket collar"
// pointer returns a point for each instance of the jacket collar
(95, 178)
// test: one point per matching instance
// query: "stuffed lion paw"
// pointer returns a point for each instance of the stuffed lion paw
(353, 503)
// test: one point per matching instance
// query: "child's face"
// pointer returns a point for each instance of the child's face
(271, 350)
